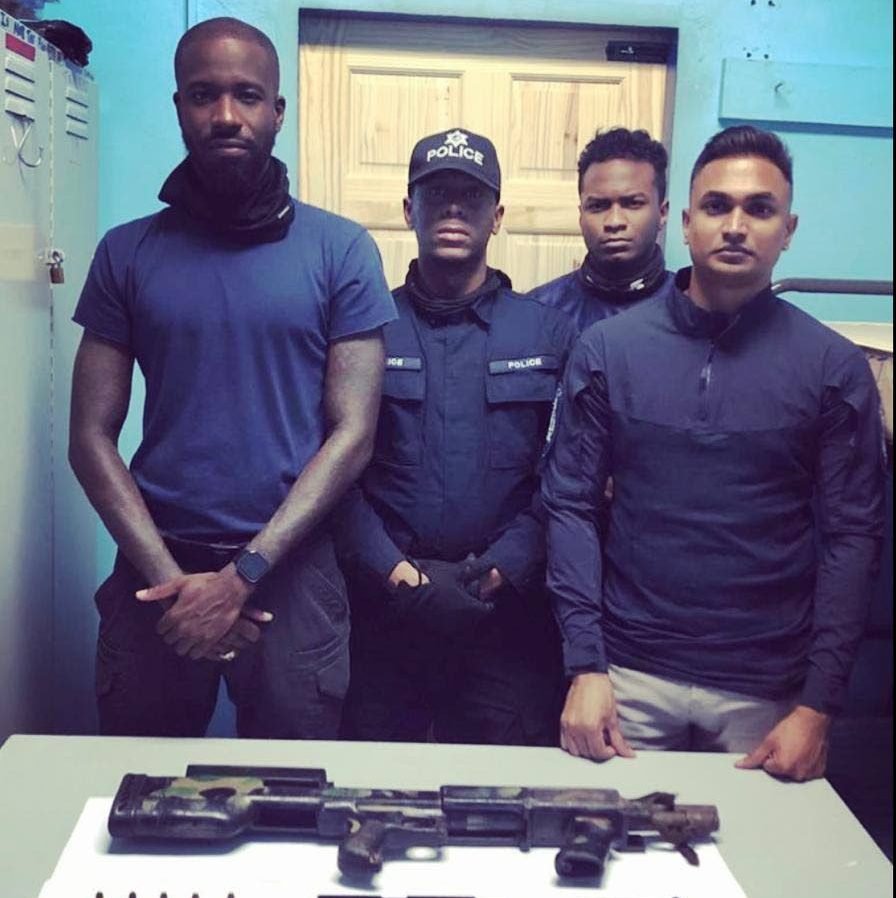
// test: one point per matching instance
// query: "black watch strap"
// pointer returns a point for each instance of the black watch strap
(251, 566)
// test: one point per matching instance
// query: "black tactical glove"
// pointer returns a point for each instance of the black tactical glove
(443, 606)
(471, 569)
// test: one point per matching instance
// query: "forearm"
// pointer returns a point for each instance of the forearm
(332, 470)
(111, 490)
(351, 401)
(842, 594)
(361, 536)
(572, 492)
(519, 552)
(850, 522)
(574, 575)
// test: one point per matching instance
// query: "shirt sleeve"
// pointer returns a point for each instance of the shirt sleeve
(102, 307)
(361, 536)
(359, 298)
(849, 476)
(572, 493)
(519, 553)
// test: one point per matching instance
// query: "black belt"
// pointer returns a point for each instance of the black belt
(201, 556)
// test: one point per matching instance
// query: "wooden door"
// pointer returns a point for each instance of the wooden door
(370, 87)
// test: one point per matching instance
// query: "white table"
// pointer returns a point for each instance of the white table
(781, 840)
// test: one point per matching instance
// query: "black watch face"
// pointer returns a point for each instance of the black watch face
(252, 566)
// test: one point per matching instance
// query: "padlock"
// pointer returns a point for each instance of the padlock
(54, 259)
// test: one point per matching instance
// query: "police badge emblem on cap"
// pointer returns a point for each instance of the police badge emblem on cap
(456, 150)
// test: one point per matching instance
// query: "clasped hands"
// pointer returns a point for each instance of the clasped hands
(442, 597)
(209, 617)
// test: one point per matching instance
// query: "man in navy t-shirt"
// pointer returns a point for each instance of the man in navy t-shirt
(255, 321)
(747, 460)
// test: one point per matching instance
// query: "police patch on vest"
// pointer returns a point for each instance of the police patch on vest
(531, 363)
(403, 363)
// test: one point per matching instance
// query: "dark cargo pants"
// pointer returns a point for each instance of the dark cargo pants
(289, 685)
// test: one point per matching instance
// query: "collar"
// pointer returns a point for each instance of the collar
(694, 321)
(484, 306)
(479, 303)
(264, 216)
(622, 291)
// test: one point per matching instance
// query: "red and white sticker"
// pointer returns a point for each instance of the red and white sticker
(17, 45)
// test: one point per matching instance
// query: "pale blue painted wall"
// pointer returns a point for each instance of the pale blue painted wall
(843, 180)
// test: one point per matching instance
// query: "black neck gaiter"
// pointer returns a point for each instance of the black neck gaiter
(264, 216)
(630, 288)
(444, 306)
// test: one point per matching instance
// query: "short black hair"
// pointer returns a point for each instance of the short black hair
(225, 26)
(620, 143)
(745, 140)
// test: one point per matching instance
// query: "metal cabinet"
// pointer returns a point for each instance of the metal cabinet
(48, 162)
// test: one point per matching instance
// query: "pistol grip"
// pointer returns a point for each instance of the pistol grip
(361, 852)
(587, 845)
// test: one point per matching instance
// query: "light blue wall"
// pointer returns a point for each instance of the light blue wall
(844, 181)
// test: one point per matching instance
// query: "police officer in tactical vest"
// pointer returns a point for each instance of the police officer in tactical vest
(452, 634)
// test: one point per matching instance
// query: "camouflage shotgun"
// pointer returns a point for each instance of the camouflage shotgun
(219, 803)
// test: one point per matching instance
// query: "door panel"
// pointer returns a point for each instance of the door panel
(370, 88)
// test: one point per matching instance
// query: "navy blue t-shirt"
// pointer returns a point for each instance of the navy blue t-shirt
(232, 341)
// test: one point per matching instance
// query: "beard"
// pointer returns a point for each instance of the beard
(230, 179)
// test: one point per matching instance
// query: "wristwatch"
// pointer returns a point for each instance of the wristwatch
(251, 566)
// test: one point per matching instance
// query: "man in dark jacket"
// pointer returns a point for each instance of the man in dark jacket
(452, 633)
(723, 613)
(622, 209)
